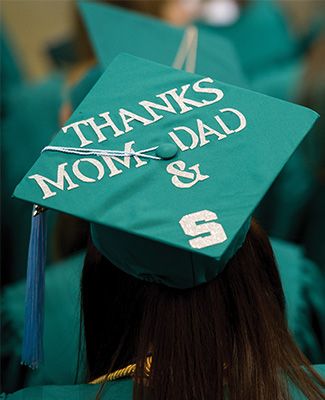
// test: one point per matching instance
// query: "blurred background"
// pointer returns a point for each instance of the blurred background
(35, 27)
(48, 66)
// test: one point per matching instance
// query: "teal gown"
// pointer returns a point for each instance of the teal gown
(116, 390)
(31, 118)
(300, 279)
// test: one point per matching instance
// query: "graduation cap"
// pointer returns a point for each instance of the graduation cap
(113, 30)
(79, 91)
(167, 167)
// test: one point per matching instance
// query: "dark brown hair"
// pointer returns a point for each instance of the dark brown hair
(150, 7)
(224, 339)
(70, 235)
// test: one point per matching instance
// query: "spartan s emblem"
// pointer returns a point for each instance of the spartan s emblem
(201, 223)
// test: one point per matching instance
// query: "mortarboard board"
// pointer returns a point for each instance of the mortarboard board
(113, 30)
(167, 166)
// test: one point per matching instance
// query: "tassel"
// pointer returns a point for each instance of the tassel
(32, 352)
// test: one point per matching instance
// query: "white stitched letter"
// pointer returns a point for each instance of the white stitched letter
(77, 131)
(180, 144)
(190, 226)
(44, 182)
(128, 116)
(125, 161)
(177, 169)
(218, 93)
(148, 105)
(109, 123)
(181, 100)
(242, 121)
(84, 178)
(203, 134)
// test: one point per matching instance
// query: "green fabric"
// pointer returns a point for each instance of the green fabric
(61, 326)
(118, 390)
(144, 219)
(32, 117)
(261, 36)
(314, 147)
(114, 30)
(282, 81)
(281, 210)
(302, 286)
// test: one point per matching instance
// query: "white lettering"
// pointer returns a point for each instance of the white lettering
(242, 121)
(148, 105)
(83, 177)
(177, 169)
(181, 100)
(197, 88)
(98, 128)
(125, 161)
(77, 130)
(180, 144)
(190, 226)
(203, 134)
(44, 182)
(128, 116)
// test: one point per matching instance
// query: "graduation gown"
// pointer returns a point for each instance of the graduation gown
(31, 118)
(300, 280)
(116, 390)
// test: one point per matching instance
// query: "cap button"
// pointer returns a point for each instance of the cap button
(167, 151)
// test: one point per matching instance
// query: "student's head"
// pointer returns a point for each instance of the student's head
(226, 336)
(166, 224)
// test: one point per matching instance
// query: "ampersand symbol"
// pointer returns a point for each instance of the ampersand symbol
(177, 169)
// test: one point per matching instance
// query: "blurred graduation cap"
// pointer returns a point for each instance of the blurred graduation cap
(262, 36)
(167, 167)
(114, 30)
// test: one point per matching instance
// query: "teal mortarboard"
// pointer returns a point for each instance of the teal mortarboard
(167, 166)
(113, 30)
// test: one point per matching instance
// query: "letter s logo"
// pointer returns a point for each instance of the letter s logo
(190, 226)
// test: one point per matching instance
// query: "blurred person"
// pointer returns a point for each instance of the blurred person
(313, 94)
(149, 298)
